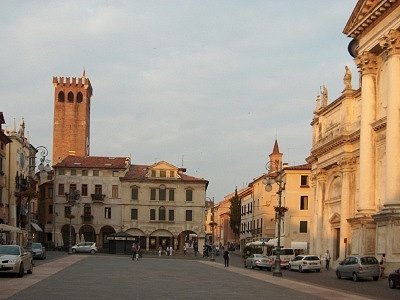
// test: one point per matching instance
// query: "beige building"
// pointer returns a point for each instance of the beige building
(356, 144)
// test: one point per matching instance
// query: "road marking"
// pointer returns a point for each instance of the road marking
(11, 286)
(315, 290)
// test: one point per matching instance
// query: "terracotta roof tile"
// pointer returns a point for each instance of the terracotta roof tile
(94, 162)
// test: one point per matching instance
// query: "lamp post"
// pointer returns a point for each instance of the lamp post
(212, 225)
(275, 175)
(72, 199)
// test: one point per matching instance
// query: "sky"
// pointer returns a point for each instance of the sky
(204, 85)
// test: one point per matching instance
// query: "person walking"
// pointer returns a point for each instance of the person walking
(382, 265)
(184, 250)
(327, 259)
(226, 258)
(134, 251)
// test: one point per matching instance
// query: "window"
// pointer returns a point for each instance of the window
(61, 172)
(107, 212)
(134, 193)
(189, 195)
(98, 189)
(163, 173)
(84, 191)
(50, 208)
(162, 193)
(171, 195)
(189, 215)
(73, 172)
(95, 172)
(67, 211)
(161, 213)
(115, 174)
(134, 214)
(85, 172)
(152, 214)
(152, 194)
(171, 215)
(304, 180)
(303, 202)
(172, 174)
(61, 190)
(61, 96)
(79, 97)
(114, 191)
(303, 226)
(70, 97)
(50, 192)
(87, 210)
(72, 187)
(153, 173)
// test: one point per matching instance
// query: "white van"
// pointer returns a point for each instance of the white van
(287, 254)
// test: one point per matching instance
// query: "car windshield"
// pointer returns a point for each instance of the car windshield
(10, 250)
(369, 260)
(36, 246)
(311, 258)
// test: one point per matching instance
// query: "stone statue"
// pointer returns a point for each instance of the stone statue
(318, 103)
(347, 79)
(324, 94)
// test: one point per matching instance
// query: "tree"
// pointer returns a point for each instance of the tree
(235, 208)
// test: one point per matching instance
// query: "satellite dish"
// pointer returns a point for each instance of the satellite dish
(353, 48)
(268, 187)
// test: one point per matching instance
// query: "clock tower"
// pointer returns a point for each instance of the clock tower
(71, 128)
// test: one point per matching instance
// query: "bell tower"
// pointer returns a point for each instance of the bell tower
(71, 128)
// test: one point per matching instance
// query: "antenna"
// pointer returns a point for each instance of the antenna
(182, 160)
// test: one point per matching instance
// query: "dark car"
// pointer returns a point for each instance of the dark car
(394, 279)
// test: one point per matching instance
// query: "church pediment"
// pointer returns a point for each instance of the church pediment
(365, 14)
(335, 218)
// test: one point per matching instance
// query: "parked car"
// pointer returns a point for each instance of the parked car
(394, 279)
(286, 255)
(89, 247)
(256, 261)
(357, 267)
(38, 251)
(15, 259)
(305, 262)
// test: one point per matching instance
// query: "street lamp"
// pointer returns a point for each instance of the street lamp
(43, 153)
(212, 225)
(72, 198)
(275, 175)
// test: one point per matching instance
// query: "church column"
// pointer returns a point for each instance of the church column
(319, 212)
(347, 168)
(367, 63)
(391, 43)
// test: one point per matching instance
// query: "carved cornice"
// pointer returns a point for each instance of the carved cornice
(391, 42)
(367, 62)
(347, 164)
(335, 143)
(379, 124)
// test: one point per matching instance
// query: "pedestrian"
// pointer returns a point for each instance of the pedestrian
(170, 250)
(226, 258)
(167, 251)
(184, 250)
(159, 251)
(137, 252)
(327, 259)
(134, 251)
(382, 265)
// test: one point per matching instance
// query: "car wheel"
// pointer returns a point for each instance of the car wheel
(21, 270)
(355, 277)
(245, 265)
(392, 284)
(300, 269)
(318, 270)
(30, 271)
(289, 267)
(268, 269)
(93, 251)
(375, 278)
(73, 250)
(338, 275)
(252, 266)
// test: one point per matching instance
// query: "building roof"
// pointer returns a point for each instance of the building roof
(94, 162)
(299, 167)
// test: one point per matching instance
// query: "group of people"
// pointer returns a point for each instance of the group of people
(136, 251)
(168, 251)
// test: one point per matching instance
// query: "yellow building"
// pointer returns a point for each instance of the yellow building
(356, 144)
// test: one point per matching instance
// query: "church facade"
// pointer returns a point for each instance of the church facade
(356, 144)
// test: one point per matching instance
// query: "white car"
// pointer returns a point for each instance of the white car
(305, 262)
(15, 259)
(88, 247)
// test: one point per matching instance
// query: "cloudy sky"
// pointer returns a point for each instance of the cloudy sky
(204, 84)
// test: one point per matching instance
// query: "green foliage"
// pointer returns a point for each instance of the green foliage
(249, 250)
(235, 217)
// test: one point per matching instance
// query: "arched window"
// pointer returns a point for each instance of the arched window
(161, 213)
(70, 97)
(61, 96)
(79, 97)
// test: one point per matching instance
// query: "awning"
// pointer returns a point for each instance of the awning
(8, 228)
(36, 227)
(274, 242)
(299, 245)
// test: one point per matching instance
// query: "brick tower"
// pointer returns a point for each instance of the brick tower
(71, 128)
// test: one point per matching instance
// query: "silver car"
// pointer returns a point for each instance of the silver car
(256, 261)
(15, 259)
(357, 267)
(88, 247)
(38, 251)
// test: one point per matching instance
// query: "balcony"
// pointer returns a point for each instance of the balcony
(87, 219)
(98, 197)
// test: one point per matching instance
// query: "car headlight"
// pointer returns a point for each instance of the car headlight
(12, 261)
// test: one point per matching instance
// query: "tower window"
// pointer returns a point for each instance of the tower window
(61, 96)
(79, 97)
(70, 97)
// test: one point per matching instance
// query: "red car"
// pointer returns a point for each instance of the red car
(394, 279)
